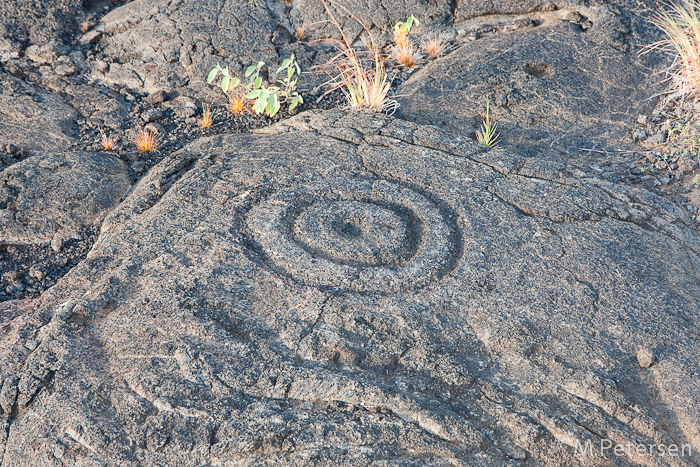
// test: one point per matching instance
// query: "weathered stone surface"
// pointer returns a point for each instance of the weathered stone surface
(466, 9)
(379, 16)
(9, 310)
(163, 45)
(32, 118)
(491, 316)
(553, 89)
(37, 22)
(53, 197)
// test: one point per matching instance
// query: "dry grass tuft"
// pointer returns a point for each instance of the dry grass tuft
(362, 77)
(108, 142)
(406, 56)
(207, 117)
(302, 30)
(237, 103)
(681, 24)
(401, 39)
(434, 46)
(146, 141)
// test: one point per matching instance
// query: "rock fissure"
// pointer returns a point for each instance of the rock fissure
(311, 328)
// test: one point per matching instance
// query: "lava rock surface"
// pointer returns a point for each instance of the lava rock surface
(497, 316)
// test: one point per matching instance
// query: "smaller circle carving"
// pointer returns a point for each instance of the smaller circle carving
(354, 232)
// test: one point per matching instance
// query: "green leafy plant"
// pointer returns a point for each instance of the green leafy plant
(402, 28)
(227, 82)
(268, 99)
(487, 133)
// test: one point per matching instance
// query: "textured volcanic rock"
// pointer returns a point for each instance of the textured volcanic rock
(347, 289)
(32, 118)
(166, 45)
(56, 196)
(379, 16)
(569, 83)
(163, 45)
(38, 22)
(470, 8)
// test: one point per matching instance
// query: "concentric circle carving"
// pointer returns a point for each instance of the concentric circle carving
(356, 234)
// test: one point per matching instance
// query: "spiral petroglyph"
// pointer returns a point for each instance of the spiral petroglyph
(357, 234)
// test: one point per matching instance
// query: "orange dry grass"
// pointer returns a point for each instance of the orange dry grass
(401, 39)
(406, 56)
(301, 30)
(434, 46)
(681, 24)
(108, 142)
(146, 141)
(237, 103)
(364, 81)
(207, 117)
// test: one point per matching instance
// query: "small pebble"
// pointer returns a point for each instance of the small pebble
(37, 272)
(151, 115)
(639, 135)
(31, 344)
(16, 286)
(645, 357)
(90, 37)
(687, 163)
(10, 276)
(65, 69)
(57, 243)
(157, 97)
(186, 110)
(574, 17)
(102, 67)
(657, 138)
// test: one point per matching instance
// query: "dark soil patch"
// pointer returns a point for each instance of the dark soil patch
(175, 133)
(29, 270)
